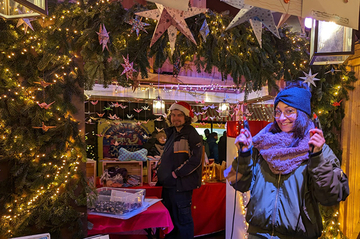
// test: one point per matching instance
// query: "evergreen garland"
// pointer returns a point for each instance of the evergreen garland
(44, 188)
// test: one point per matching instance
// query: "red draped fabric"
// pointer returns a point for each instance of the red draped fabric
(233, 127)
(208, 211)
(208, 208)
(155, 216)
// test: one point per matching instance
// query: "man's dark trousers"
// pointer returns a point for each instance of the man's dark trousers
(179, 206)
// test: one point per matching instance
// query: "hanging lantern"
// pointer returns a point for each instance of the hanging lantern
(330, 43)
(11, 9)
(158, 106)
(224, 109)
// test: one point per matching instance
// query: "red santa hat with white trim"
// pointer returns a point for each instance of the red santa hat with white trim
(185, 108)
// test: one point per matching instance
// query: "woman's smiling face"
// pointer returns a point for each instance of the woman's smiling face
(285, 117)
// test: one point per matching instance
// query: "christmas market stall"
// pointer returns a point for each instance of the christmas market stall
(86, 86)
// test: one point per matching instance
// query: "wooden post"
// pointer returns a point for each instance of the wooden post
(350, 141)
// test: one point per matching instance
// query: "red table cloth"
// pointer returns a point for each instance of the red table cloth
(208, 211)
(155, 216)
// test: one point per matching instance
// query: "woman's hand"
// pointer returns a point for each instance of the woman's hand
(316, 139)
(230, 175)
(244, 139)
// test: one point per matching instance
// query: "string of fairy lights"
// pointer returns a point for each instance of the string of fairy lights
(332, 230)
(58, 170)
(21, 203)
(243, 201)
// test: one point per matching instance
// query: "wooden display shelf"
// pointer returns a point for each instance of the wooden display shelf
(133, 167)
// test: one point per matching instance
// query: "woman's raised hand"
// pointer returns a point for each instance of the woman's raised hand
(316, 141)
(243, 141)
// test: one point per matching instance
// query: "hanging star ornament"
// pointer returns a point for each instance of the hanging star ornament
(309, 78)
(128, 68)
(103, 37)
(332, 71)
(204, 30)
(171, 19)
(25, 21)
(256, 16)
(137, 25)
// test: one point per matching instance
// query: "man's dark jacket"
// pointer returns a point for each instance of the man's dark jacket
(182, 154)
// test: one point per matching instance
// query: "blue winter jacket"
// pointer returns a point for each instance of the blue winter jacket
(286, 206)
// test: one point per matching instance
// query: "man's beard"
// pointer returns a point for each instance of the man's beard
(178, 125)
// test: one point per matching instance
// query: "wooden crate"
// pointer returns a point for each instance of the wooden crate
(91, 171)
(150, 169)
(133, 167)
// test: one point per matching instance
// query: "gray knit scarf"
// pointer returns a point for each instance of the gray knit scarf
(275, 149)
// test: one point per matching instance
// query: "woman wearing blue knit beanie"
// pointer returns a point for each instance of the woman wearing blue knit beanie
(289, 170)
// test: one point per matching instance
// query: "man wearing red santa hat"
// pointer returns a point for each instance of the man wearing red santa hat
(180, 168)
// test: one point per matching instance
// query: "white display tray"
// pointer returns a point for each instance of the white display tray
(147, 203)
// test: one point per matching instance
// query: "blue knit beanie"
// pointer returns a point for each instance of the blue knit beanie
(296, 97)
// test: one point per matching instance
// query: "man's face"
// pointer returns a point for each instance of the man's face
(177, 118)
